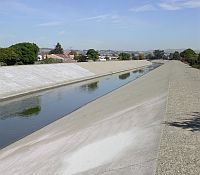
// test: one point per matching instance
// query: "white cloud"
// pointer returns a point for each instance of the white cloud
(113, 18)
(15, 6)
(168, 5)
(144, 8)
(51, 24)
(179, 4)
(95, 18)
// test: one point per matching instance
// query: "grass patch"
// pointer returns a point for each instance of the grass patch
(51, 61)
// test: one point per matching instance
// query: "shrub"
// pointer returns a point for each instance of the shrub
(51, 61)
(19, 63)
(197, 66)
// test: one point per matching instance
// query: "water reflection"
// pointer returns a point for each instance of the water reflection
(20, 117)
(124, 76)
(31, 111)
(24, 108)
(138, 71)
(91, 86)
(141, 71)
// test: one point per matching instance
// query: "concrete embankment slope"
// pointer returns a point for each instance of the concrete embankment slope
(100, 68)
(118, 134)
(17, 80)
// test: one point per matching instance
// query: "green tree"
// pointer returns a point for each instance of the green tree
(27, 52)
(198, 59)
(158, 54)
(57, 50)
(124, 56)
(92, 54)
(190, 56)
(141, 56)
(197, 64)
(149, 56)
(81, 58)
(176, 56)
(8, 56)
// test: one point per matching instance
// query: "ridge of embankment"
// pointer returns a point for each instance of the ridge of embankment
(21, 80)
(179, 147)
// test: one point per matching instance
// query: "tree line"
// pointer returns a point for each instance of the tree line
(26, 53)
(21, 53)
(188, 56)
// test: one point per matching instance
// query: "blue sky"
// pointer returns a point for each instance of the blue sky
(102, 24)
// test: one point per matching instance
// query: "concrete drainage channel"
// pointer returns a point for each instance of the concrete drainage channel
(22, 116)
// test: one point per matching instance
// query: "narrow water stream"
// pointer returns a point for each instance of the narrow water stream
(22, 116)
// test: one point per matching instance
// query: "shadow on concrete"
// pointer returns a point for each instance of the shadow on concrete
(192, 124)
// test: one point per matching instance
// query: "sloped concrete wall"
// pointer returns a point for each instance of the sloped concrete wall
(17, 80)
(22, 79)
(113, 66)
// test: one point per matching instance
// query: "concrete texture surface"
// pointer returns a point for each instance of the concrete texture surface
(120, 133)
(18, 80)
(116, 134)
(180, 144)
(22, 79)
(108, 67)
